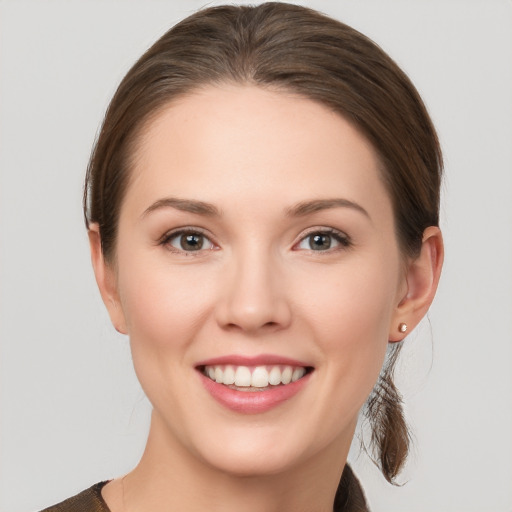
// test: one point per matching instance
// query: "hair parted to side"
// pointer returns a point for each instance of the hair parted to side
(294, 49)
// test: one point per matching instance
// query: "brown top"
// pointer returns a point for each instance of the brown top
(349, 498)
(89, 500)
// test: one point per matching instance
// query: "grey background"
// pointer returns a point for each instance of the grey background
(72, 412)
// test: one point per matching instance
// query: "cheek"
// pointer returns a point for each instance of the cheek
(163, 305)
(353, 306)
(351, 320)
(163, 309)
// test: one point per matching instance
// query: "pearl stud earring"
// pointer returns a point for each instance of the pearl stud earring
(402, 327)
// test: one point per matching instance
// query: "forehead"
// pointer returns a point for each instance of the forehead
(230, 142)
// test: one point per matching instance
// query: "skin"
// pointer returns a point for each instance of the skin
(256, 287)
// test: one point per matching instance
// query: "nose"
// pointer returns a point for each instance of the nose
(254, 298)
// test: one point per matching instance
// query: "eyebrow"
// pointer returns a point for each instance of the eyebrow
(185, 205)
(317, 205)
(298, 210)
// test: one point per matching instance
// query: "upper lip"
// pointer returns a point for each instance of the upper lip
(259, 360)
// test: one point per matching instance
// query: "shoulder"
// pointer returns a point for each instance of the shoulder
(89, 500)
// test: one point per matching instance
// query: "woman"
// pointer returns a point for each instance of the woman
(262, 207)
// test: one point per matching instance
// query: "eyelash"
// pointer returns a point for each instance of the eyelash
(341, 238)
(168, 237)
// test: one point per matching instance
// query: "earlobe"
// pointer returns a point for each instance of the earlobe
(422, 278)
(106, 280)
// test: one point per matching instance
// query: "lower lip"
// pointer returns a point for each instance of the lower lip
(253, 402)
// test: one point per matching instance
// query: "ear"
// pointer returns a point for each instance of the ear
(422, 278)
(107, 281)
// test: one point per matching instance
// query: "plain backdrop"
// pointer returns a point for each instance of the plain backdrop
(72, 412)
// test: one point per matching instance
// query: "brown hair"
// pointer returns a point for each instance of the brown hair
(296, 49)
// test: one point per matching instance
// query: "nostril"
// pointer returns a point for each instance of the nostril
(248, 326)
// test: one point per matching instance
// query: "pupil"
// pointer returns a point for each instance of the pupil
(191, 242)
(320, 242)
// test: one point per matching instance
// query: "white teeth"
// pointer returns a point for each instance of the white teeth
(286, 375)
(256, 377)
(243, 376)
(298, 373)
(229, 375)
(259, 377)
(274, 377)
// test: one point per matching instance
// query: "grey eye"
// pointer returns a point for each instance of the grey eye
(324, 241)
(318, 242)
(190, 242)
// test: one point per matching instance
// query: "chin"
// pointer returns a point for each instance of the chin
(251, 462)
(265, 450)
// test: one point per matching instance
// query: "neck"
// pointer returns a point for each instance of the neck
(168, 478)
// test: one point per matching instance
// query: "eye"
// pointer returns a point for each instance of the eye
(324, 240)
(187, 241)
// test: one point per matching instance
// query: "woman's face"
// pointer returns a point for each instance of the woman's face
(256, 242)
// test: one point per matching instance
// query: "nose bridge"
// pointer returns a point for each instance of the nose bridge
(255, 295)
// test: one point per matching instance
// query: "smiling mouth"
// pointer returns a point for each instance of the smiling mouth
(254, 378)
